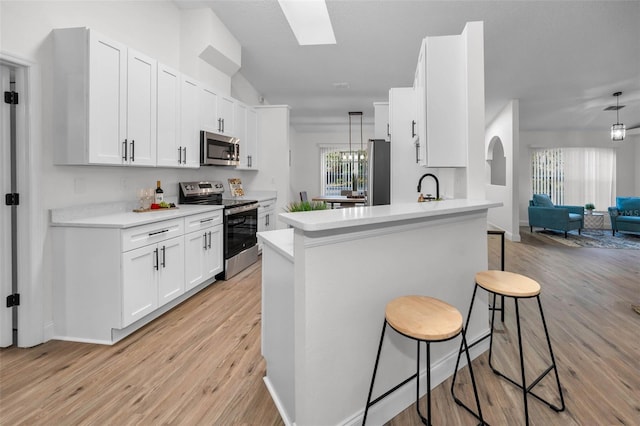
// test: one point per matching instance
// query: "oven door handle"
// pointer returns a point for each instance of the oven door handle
(240, 209)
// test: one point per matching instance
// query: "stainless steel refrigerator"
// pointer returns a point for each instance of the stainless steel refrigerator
(379, 172)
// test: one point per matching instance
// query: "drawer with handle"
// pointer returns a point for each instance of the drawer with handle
(141, 236)
(200, 221)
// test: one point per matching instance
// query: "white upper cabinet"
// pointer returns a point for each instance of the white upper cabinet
(141, 109)
(178, 124)
(381, 120)
(208, 105)
(226, 106)
(246, 124)
(441, 94)
(169, 150)
(106, 96)
(189, 123)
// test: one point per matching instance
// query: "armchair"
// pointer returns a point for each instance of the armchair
(625, 215)
(544, 214)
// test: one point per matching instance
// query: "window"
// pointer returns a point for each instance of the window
(575, 176)
(342, 170)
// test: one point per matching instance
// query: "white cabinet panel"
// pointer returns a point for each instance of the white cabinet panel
(141, 109)
(248, 144)
(209, 110)
(213, 254)
(139, 288)
(171, 270)
(226, 115)
(203, 255)
(107, 99)
(169, 152)
(381, 120)
(189, 123)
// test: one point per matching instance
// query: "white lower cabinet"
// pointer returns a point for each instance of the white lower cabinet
(108, 282)
(266, 217)
(203, 248)
(151, 277)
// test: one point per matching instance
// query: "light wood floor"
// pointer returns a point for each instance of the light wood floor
(201, 363)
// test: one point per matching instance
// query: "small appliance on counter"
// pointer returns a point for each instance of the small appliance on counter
(240, 223)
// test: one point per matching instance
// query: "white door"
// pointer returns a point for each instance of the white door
(107, 97)
(5, 214)
(169, 149)
(171, 277)
(251, 145)
(194, 248)
(139, 287)
(141, 109)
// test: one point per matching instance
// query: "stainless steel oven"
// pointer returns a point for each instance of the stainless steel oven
(219, 150)
(240, 223)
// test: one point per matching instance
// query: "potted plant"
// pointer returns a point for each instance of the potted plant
(305, 206)
(589, 207)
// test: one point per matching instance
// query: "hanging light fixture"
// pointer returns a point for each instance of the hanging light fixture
(354, 182)
(618, 129)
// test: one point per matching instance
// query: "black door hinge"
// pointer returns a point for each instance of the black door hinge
(13, 300)
(12, 199)
(11, 98)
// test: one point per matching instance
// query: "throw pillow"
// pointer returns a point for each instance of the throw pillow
(542, 200)
(628, 206)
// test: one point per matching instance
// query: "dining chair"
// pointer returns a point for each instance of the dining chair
(303, 196)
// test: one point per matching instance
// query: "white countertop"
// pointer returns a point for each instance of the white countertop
(259, 195)
(119, 216)
(323, 220)
(281, 240)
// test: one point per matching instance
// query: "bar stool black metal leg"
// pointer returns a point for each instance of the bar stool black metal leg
(553, 363)
(375, 370)
(425, 420)
(455, 371)
(524, 383)
(493, 318)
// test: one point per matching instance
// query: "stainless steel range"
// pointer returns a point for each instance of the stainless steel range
(240, 223)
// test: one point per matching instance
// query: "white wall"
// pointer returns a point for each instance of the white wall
(627, 159)
(151, 27)
(506, 127)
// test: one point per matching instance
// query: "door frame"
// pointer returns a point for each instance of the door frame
(32, 220)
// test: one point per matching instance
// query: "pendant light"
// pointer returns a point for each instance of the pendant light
(618, 129)
(354, 182)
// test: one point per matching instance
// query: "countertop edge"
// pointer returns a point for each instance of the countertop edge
(281, 240)
(326, 220)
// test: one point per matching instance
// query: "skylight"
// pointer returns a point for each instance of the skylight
(309, 21)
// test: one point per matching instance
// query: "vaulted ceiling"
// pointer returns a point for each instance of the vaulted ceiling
(563, 60)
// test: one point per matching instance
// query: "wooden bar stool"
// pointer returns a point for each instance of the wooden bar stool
(423, 319)
(516, 286)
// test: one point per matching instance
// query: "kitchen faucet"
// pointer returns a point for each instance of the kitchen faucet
(434, 178)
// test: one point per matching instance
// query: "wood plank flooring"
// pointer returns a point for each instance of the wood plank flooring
(201, 363)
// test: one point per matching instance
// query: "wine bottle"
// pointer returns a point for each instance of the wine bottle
(159, 194)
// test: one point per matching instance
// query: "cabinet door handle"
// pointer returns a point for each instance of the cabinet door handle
(209, 239)
(266, 221)
(206, 220)
(179, 155)
(417, 152)
(164, 258)
(124, 150)
(249, 160)
(185, 155)
(413, 128)
(155, 266)
(388, 133)
(205, 241)
(220, 124)
(223, 125)
(133, 150)
(151, 234)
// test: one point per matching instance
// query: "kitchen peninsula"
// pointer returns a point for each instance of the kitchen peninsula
(325, 284)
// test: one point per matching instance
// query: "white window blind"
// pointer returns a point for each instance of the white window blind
(339, 168)
(575, 176)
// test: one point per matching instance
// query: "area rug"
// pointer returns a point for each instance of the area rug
(592, 238)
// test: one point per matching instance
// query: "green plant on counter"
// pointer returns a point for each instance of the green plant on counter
(589, 206)
(305, 206)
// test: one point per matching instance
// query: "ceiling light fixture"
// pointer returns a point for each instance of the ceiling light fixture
(618, 129)
(309, 21)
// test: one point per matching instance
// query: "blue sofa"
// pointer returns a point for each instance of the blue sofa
(625, 216)
(544, 214)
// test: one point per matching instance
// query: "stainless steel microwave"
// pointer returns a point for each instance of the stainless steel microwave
(219, 150)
